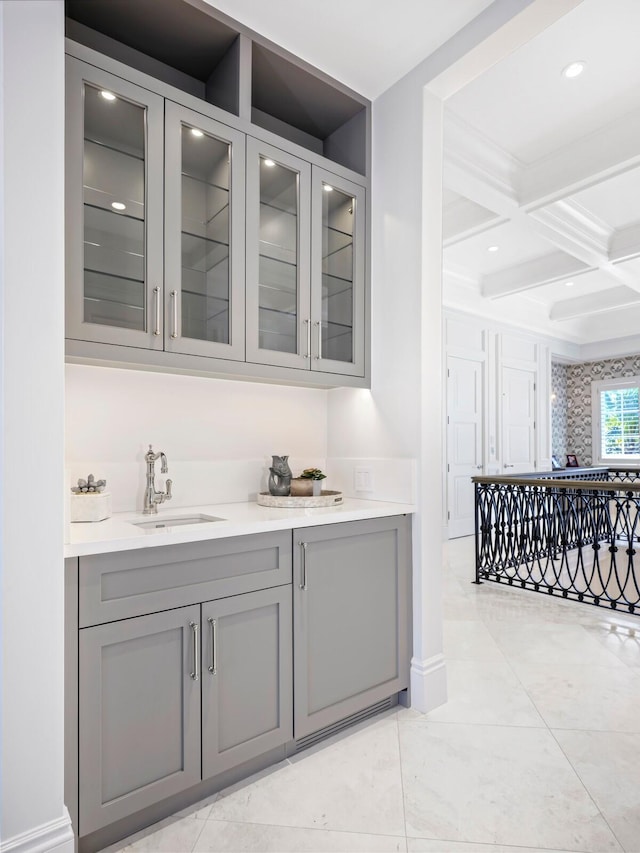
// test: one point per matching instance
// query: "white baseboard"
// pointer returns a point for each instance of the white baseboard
(53, 837)
(428, 683)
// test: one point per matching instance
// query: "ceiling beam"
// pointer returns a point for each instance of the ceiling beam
(594, 303)
(534, 273)
(463, 219)
(609, 151)
(625, 243)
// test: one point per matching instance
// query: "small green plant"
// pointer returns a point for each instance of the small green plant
(312, 474)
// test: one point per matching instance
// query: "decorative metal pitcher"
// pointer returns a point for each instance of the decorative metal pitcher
(280, 476)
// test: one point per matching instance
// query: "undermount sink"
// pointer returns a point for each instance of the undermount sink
(175, 521)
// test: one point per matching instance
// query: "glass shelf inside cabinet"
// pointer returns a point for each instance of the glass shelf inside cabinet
(338, 211)
(114, 210)
(205, 236)
(278, 258)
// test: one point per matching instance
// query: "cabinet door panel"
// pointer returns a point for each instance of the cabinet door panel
(351, 619)
(139, 718)
(114, 209)
(204, 238)
(247, 695)
(278, 257)
(338, 274)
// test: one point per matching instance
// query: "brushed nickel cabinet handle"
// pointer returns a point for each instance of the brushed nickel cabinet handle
(319, 325)
(303, 584)
(174, 314)
(213, 666)
(308, 324)
(195, 630)
(156, 301)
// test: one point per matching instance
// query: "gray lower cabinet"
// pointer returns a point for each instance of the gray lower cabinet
(246, 677)
(139, 714)
(351, 618)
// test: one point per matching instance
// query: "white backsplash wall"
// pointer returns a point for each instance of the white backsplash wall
(218, 434)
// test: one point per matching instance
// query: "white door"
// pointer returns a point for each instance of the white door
(518, 420)
(465, 440)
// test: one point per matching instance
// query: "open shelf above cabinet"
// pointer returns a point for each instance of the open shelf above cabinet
(195, 48)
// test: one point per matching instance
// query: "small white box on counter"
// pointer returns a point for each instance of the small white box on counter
(93, 506)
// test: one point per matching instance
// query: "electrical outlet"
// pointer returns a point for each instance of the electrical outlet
(362, 480)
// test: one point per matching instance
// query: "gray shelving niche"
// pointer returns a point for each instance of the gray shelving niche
(194, 47)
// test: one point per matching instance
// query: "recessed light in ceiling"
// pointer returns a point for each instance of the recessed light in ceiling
(118, 205)
(493, 248)
(568, 284)
(196, 132)
(108, 96)
(574, 69)
(327, 188)
(269, 163)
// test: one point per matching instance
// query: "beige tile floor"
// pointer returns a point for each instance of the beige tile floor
(536, 750)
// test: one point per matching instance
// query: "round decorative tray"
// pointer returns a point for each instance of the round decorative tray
(326, 498)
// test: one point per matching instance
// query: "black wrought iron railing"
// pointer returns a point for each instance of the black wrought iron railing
(571, 534)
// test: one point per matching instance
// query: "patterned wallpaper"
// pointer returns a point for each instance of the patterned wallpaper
(578, 436)
(559, 411)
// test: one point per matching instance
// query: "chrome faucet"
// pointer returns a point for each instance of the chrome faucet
(151, 497)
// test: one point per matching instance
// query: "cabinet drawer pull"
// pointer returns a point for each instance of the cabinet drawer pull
(319, 325)
(213, 666)
(174, 314)
(156, 310)
(308, 325)
(195, 629)
(303, 584)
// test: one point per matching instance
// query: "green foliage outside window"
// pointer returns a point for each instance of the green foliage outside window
(620, 419)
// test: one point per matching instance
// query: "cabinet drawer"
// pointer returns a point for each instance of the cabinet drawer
(132, 583)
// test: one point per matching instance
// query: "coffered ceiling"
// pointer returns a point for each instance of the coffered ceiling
(546, 171)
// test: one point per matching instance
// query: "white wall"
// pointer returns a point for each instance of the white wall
(32, 288)
(218, 434)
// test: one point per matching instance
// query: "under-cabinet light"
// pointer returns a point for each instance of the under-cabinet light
(574, 69)
(108, 96)
(196, 132)
(118, 205)
(269, 163)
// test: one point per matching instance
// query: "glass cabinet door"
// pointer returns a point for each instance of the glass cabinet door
(338, 283)
(114, 209)
(278, 257)
(204, 245)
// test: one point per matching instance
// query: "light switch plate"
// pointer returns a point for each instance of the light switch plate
(362, 480)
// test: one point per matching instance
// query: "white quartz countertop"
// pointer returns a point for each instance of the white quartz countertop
(118, 533)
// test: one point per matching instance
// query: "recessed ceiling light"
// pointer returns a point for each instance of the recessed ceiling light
(327, 188)
(574, 69)
(108, 96)
(493, 248)
(269, 163)
(118, 205)
(568, 284)
(196, 132)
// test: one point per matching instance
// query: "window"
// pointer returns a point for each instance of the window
(616, 419)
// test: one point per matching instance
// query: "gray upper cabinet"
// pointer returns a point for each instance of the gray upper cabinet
(278, 257)
(338, 274)
(114, 157)
(351, 618)
(204, 236)
(198, 241)
(139, 715)
(305, 265)
(246, 677)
